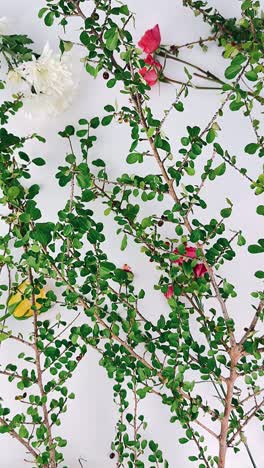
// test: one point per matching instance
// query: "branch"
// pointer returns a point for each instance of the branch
(253, 324)
(16, 436)
(207, 429)
(201, 451)
(242, 426)
(53, 463)
(234, 357)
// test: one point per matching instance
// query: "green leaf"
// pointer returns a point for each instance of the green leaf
(179, 106)
(93, 71)
(226, 212)
(66, 46)
(241, 240)
(218, 149)
(4, 429)
(49, 19)
(107, 120)
(43, 233)
(84, 38)
(220, 170)
(132, 158)
(111, 83)
(42, 11)
(251, 148)
(251, 75)
(124, 242)
(69, 130)
(162, 144)
(39, 161)
(188, 386)
(260, 210)
(153, 447)
(4, 336)
(259, 274)
(95, 122)
(13, 192)
(23, 432)
(111, 39)
(232, 71)
(183, 440)
(248, 380)
(257, 248)
(98, 163)
(211, 135)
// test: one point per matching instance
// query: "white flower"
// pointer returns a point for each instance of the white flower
(49, 83)
(3, 25)
(47, 74)
(14, 77)
(42, 105)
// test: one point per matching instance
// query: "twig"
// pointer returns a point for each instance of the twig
(246, 422)
(16, 436)
(253, 324)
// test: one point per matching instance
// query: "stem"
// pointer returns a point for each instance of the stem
(16, 436)
(17, 338)
(201, 451)
(253, 324)
(207, 73)
(189, 44)
(230, 382)
(190, 85)
(246, 422)
(53, 463)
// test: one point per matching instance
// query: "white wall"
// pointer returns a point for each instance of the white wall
(89, 423)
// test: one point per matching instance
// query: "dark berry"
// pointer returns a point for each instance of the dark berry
(160, 223)
(105, 75)
(112, 455)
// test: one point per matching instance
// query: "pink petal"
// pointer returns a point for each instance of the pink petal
(170, 292)
(200, 270)
(149, 60)
(150, 76)
(190, 252)
(151, 40)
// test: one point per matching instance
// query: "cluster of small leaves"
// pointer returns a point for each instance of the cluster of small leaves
(14, 49)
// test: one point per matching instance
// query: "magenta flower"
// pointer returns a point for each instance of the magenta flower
(151, 40)
(170, 292)
(149, 75)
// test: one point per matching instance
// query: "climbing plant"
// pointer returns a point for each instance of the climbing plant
(64, 263)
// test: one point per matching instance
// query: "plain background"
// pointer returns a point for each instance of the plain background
(89, 423)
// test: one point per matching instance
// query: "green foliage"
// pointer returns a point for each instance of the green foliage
(192, 343)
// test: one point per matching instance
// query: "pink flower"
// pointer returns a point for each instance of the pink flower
(190, 252)
(170, 292)
(200, 270)
(149, 75)
(127, 268)
(149, 60)
(151, 40)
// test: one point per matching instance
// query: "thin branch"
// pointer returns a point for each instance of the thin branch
(253, 324)
(206, 429)
(242, 426)
(16, 436)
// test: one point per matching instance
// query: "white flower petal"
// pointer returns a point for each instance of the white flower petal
(50, 82)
